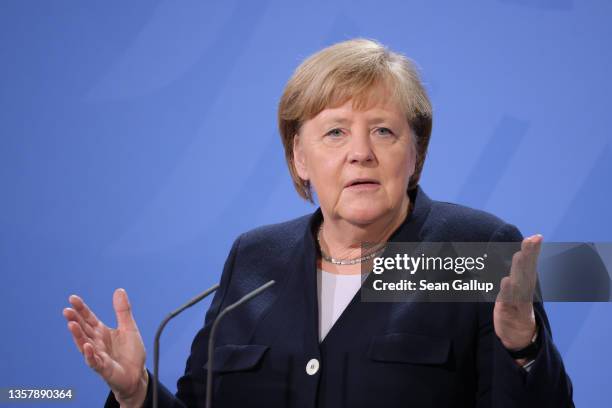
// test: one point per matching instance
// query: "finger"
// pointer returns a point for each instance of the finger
(106, 364)
(520, 272)
(515, 276)
(534, 248)
(99, 361)
(534, 252)
(75, 338)
(506, 291)
(526, 275)
(91, 358)
(72, 316)
(123, 310)
(78, 336)
(517, 269)
(84, 310)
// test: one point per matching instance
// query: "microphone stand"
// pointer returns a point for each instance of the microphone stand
(211, 339)
(161, 328)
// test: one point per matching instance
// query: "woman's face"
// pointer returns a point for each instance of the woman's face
(358, 162)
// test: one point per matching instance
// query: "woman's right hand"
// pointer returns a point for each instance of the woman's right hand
(117, 355)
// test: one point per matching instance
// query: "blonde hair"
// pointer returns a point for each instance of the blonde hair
(352, 70)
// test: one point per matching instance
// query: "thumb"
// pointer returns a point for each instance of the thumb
(123, 310)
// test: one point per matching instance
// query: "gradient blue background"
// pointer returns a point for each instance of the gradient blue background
(138, 139)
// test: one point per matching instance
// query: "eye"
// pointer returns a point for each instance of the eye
(383, 131)
(334, 133)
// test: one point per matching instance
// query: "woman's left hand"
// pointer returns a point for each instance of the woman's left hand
(513, 315)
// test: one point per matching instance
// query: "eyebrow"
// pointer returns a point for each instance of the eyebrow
(381, 119)
(333, 121)
(338, 120)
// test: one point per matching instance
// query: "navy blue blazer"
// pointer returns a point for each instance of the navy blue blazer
(406, 354)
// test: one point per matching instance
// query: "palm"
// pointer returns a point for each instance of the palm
(127, 358)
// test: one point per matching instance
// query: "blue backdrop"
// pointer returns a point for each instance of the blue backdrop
(137, 140)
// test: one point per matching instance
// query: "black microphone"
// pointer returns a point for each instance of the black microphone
(161, 328)
(211, 338)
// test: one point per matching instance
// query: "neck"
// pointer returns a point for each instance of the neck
(343, 240)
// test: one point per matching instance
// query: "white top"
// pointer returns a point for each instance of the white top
(335, 292)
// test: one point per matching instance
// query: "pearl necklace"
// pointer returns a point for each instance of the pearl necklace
(347, 261)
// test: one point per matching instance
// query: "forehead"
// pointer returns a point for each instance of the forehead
(374, 109)
(374, 96)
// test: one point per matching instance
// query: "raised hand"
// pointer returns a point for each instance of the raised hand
(513, 315)
(117, 355)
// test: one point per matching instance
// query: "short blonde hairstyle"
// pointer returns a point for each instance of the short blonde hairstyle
(352, 70)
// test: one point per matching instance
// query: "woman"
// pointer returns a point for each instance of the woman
(355, 123)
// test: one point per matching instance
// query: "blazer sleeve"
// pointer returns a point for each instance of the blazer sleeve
(501, 382)
(191, 387)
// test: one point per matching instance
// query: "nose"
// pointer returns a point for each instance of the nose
(360, 149)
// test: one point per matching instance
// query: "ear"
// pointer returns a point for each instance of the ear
(299, 158)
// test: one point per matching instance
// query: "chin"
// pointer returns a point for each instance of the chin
(363, 214)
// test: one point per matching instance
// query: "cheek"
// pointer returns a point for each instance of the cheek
(398, 170)
(401, 166)
(326, 173)
(321, 167)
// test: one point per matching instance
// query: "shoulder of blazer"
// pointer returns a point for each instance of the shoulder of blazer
(259, 255)
(274, 238)
(459, 223)
(267, 252)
